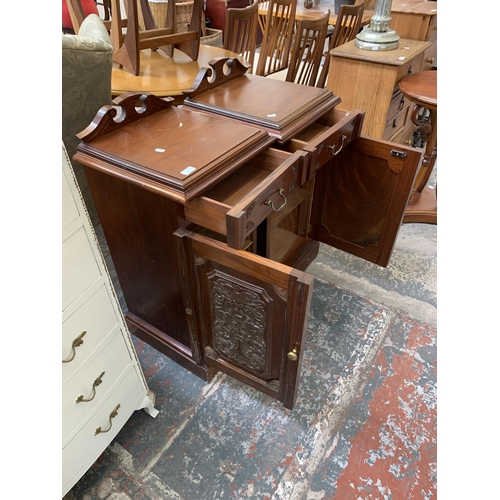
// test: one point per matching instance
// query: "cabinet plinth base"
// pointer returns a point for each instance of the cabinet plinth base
(171, 348)
(422, 207)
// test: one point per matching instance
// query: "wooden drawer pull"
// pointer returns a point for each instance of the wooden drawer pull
(269, 202)
(97, 382)
(332, 148)
(112, 415)
(77, 342)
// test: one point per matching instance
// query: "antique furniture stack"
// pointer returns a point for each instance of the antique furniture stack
(369, 79)
(213, 210)
(102, 381)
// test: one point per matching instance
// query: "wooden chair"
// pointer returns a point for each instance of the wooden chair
(127, 47)
(346, 28)
(278, 32)
(307, 50)
(240, 33)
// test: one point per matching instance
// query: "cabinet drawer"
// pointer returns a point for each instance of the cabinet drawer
(80, 269)
(398, 103)
(412, 66)
(429, 58)
(85, 447)
(97, 318)
(93, 383)
(69, 209)
(327, 137)
(241, 201)
(394, 125)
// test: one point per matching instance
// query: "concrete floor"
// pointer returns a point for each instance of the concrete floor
(364, 426)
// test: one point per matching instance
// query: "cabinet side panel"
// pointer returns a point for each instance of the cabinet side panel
(139, 227)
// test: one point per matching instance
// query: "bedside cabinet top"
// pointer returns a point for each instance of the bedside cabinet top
(407, 50)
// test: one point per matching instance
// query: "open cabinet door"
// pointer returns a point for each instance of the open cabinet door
(247, 313)
(360, 197)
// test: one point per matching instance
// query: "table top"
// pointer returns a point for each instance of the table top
(421, 88)
(162, 75)
(319, 7)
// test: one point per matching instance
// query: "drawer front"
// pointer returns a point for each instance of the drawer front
(394, 125)
(69, 208)
(86, 447)
(398, 103)
(329, 143)
(80, 269)
(270, 195)
(410, 67)
(97, 318)
(248, 201)
(83, 393)
(429, 58)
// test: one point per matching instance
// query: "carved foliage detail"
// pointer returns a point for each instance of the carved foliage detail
(240, 313)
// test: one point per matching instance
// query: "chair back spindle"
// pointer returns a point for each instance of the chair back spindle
(279, 26)
(240, 33)
(347, 27)
(307, 50)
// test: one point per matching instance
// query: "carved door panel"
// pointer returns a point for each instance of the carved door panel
(360, 198)
(247, 315)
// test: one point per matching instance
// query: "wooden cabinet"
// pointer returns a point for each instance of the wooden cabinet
(102, 382)
(417, 20)
(368, 80)
(213, 210)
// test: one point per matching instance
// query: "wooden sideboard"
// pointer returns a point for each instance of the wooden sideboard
(213, 210)
(417, 20)
(368, 80)
(102, 381)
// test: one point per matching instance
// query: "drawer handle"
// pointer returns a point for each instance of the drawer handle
(269, 202)
(332, 148)
(77, 342)
(97, 382)
(402, 103)
(112, 415)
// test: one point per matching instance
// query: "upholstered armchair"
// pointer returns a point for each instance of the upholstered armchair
(86, 87)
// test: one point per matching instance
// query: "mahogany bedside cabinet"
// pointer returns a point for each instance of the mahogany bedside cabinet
(214, 209)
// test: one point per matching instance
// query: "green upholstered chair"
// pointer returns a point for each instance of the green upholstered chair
(87, 60)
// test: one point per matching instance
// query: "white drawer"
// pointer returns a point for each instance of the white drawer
(97, 318)
(85, 447)
(105, 368)
(80, 269)
(69, 208)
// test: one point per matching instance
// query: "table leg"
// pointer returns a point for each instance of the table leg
(423, 202)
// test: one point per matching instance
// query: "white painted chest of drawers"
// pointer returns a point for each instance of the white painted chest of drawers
(102, 380)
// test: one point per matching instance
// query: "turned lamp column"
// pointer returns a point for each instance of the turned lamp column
(377, 35)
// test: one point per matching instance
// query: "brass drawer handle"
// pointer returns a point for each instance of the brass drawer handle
(332, 148)
(97, 382)
(269, 202)
(112, 415)
(77, 342)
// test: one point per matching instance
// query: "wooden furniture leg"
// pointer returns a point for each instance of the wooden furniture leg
(421, 89)
(423, 203)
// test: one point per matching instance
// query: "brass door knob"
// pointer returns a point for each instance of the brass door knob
(293, 355)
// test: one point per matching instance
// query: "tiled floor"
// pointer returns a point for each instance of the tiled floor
(364, 426)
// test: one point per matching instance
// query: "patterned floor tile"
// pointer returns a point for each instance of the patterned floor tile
(387, 447)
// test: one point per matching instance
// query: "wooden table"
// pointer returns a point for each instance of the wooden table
(421, 89)
(165, 76)
(319, 7)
